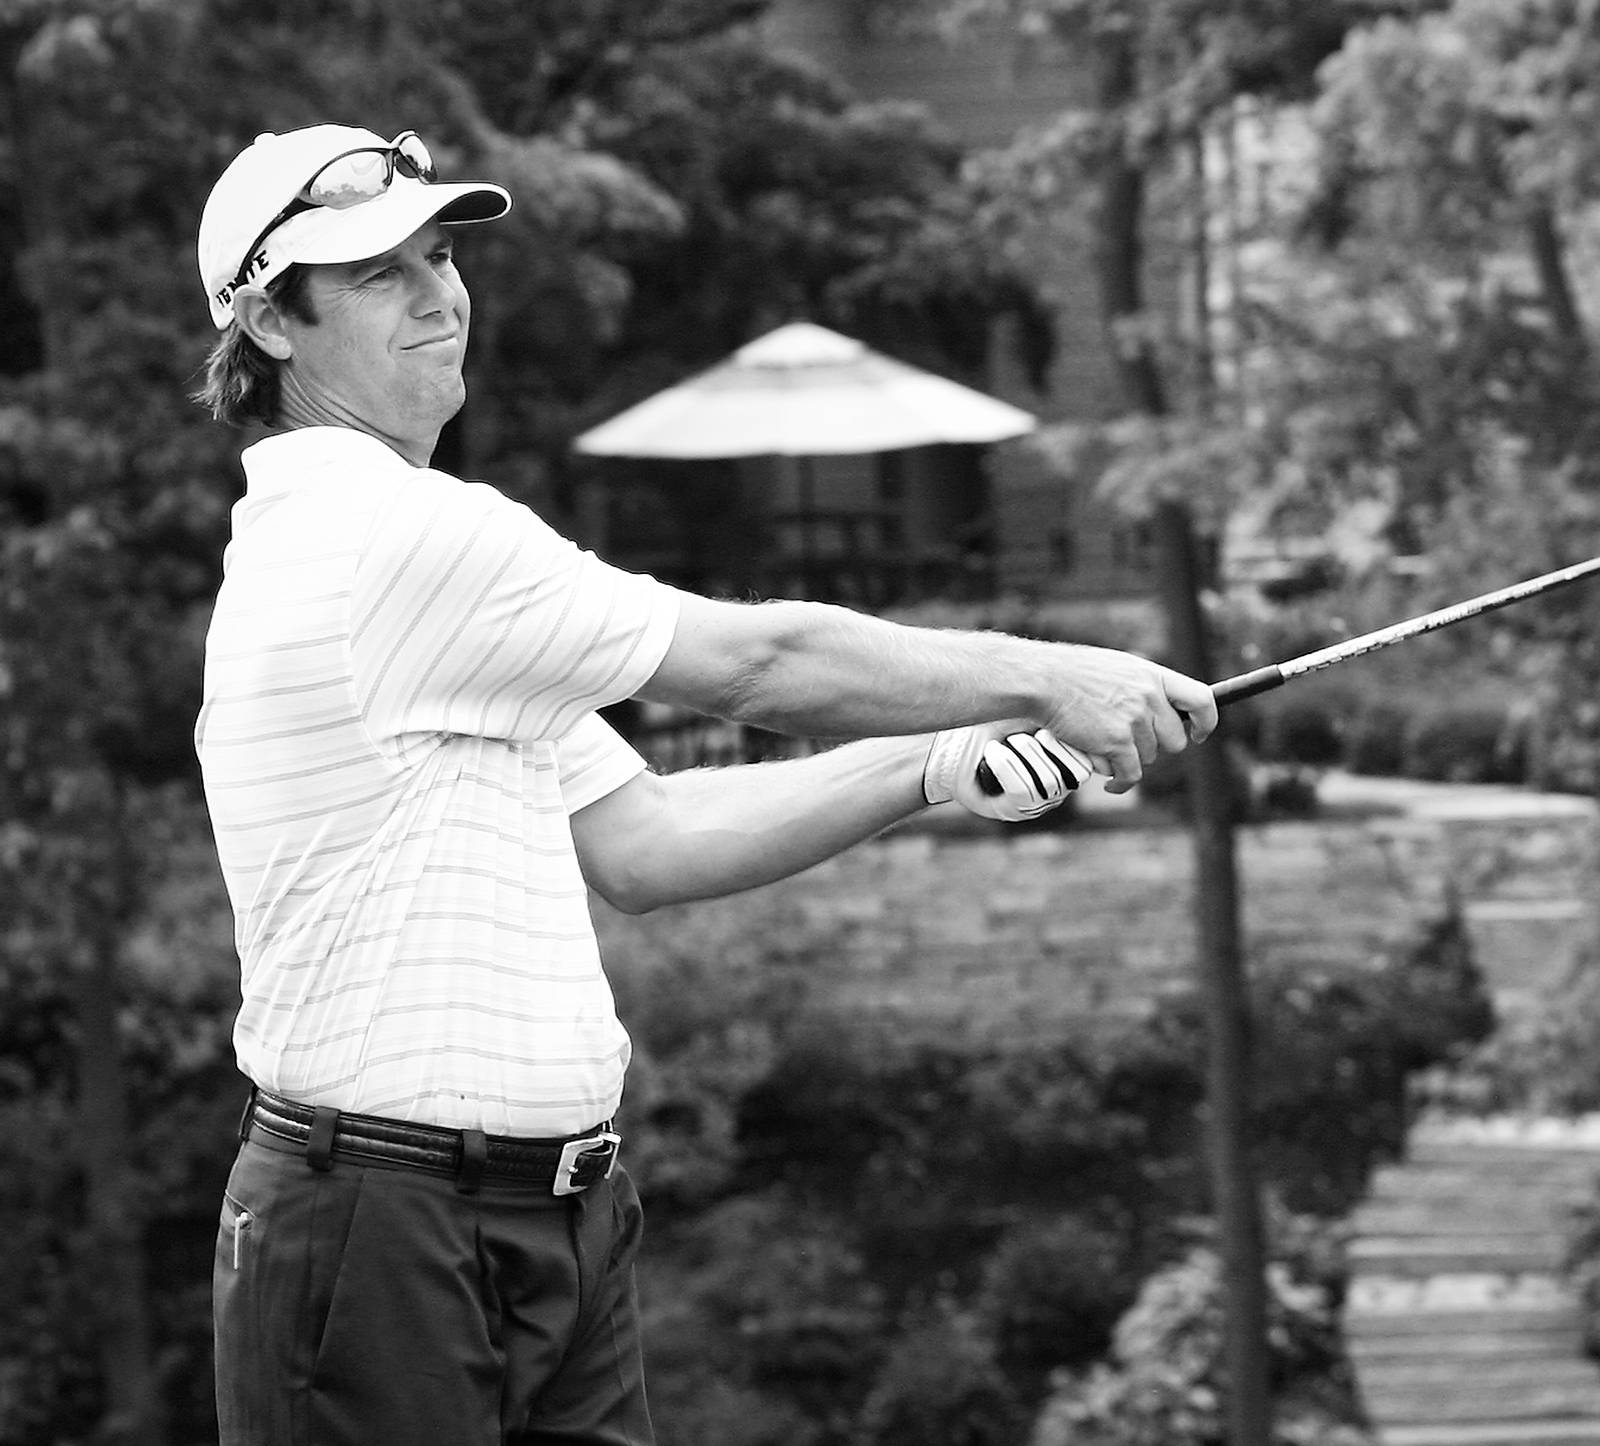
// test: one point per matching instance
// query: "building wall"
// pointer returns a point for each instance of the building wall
(983, 89)
(1053, 538)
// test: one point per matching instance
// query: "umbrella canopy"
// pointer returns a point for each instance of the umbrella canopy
(804, 391)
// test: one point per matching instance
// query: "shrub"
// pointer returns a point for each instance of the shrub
(1051, 1293)
(761, 1323)
(1287, 793)
(1164, 1384)
(940, 1386)
(1338, 1049)
(1540, 1062)
(1375, 741)
(1307, 730)
(1467, 743)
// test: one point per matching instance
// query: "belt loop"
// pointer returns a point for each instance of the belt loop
(319, 1146)
(246, 1117)
(474, 1152)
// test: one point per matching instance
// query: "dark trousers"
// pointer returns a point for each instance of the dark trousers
(367, 1304)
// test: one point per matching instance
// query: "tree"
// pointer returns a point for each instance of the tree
(1453, 207)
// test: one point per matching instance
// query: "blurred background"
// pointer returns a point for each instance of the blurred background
(1318, 281)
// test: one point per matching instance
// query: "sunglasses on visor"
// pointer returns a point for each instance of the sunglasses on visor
(347, 180)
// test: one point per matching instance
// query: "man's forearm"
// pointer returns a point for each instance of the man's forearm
(881, 678)
(704, 833)
(824, 671)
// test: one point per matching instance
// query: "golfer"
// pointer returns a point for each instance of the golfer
(427, 1237)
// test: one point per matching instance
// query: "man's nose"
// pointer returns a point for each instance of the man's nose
(432, 292)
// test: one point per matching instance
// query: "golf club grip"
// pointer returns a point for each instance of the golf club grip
(1229, 690)
(1247, 685)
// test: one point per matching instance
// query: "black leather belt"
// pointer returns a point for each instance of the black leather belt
(563, 1166)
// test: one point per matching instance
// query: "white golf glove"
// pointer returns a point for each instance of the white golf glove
(1034, 769)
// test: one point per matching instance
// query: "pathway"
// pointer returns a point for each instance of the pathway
(1462, 1325)
(1460, 1321)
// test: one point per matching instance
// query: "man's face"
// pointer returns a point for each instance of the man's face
(384, 355)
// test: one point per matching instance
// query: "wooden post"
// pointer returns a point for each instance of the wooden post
(1225, 1004)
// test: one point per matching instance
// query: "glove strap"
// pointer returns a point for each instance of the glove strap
(939, 772)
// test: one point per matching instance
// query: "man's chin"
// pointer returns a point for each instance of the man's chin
(450, 397)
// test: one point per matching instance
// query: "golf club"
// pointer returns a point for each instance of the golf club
(1274, 675)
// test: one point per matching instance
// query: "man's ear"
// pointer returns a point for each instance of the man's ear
(261, 320)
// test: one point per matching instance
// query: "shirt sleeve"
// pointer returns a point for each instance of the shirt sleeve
(594, 760)
(470, 615)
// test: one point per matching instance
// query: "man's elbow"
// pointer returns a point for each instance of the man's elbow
(622, 841)
(733, 661)
(632, 896)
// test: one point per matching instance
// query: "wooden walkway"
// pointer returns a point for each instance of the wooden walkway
(1460, 1321)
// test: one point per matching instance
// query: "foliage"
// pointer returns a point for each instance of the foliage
(941, 1382)
(173, 1009)
(1165, 1384)
(1052, 1289)
(1543, 1061)
(920, 1232)
(1338, 1049)
(1499, 699)
(1393, 355)
(1401, 730)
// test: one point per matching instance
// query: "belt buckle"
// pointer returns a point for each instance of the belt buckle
(573, 1154)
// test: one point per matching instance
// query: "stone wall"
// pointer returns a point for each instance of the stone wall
(1017, 932)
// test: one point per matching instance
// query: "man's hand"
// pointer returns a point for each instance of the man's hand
(1123, 712)
(1034, 771)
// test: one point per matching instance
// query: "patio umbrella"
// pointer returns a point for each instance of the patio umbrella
(804, 391)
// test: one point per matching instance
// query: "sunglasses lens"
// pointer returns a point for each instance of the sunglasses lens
(415, 157)
(349, 180)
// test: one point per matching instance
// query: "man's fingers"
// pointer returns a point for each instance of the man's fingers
(1194, 702)
(1048, 778)
(1024, 770)
(1146, 741)
(1074, 766)
(1171, 731)
(1033, 771)
(1126, 767)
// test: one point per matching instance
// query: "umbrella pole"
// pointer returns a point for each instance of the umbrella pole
(807, 499)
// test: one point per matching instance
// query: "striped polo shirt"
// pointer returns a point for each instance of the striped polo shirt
(401, 679)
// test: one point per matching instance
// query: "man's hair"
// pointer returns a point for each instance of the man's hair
(241, 384)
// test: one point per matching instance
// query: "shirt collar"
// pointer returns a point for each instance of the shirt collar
(288, 460)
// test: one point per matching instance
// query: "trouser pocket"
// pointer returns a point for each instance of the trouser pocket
(235, 1235)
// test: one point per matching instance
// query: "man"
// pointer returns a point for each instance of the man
(426, 1235)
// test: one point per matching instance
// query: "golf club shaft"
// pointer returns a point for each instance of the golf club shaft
(1262, 680)
(1274, 675)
